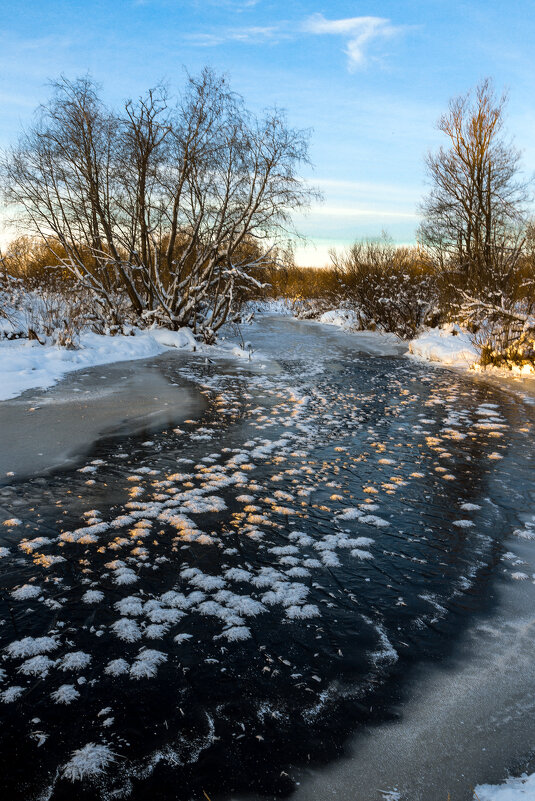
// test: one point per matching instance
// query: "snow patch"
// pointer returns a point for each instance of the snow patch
(520, 789)
(447, 345)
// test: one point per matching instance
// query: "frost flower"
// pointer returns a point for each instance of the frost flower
(91, 760)
(65, 694)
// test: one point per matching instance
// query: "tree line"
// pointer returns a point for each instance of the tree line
(174, 212)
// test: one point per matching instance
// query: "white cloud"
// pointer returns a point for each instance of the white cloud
(373, 189)
(359, 32)
(238, 6)
(252, 35)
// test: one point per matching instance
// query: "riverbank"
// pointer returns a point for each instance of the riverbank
(446, 346)
(46, 429)
(26, 364)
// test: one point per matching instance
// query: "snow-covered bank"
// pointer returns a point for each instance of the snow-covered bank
(347, 319)
(55, 427)
(453, 347)
(27, 365)
(519, 789)
(447, 345)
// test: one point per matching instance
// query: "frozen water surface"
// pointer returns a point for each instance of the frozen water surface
(213, 605)
(42, 429)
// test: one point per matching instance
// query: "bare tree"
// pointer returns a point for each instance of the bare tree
(475, 213)
(476, 227)
(159, 204)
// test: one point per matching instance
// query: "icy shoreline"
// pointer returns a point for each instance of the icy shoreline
(447, 346)
(512, 790)
(27, 365)
(56, 427)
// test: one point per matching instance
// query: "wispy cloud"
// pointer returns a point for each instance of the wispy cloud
(232, 5)
(358, 31)
(353, 211)
(254, 34)
(238, 4)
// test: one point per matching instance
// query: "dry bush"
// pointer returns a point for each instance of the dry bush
(40, 302)
(310, 283)
(35, 264)
(503, 330)
(282, 278)
(392, 288)
(497, 304)
(8, 293)
(47, 316)
(308, 290)
(506, 349)
(389, 287)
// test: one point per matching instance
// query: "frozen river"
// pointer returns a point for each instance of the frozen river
(298, 574)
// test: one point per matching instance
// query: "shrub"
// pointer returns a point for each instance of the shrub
(393, 288)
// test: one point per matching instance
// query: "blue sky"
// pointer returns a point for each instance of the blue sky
(370, 78)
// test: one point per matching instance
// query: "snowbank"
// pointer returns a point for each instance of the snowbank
(513, 790)
(516, 370)
(447, 345)
(28, 365)
(347, 319)
(452, 346)
(183, 338)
